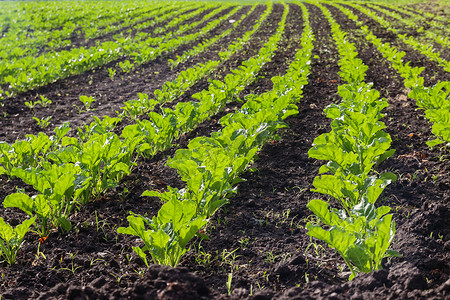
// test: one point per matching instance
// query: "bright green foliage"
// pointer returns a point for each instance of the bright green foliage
(154, 135)
(106, 160)
(97, 127)
(175, 225)
(211, 165)
(435, 100)
(139, 107)
(33, 151)
(11, 239)
(359, 232)
(441, 126)
(59, 187)
(87, 101)
(362, 238)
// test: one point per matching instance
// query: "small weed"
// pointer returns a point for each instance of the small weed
(228, 283)
(229, 258)
(72, 268)
(270, 257)
(244, 242)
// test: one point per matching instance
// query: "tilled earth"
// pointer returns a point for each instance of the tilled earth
(259, 237)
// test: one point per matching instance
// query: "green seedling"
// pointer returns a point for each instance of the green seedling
(11, 239)
(87, 101)
(44, 122)
(111, 73)
(45, 101)
(126, 66)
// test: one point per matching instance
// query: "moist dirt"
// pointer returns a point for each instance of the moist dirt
(260, 236)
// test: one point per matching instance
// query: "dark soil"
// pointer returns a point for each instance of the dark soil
(259, 236)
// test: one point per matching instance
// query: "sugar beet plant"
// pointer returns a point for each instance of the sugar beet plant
(11, 239)
(360, 232)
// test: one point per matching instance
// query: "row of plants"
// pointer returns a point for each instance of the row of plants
(28, 72)
(436, 21)
(68, 171)
(206, 44)
(358, 230)
(413, 23)
(435, 100)
(51, 27)
(18, 153)
(422, 47)
(171, 90)
(211, 165)
(185, 116)
(187, 78)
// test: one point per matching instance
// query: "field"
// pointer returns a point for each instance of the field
(177, 150)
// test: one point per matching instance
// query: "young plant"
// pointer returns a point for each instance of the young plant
(87, 101)
(139, 107)
(361, 238)
(126, 66)
(11, 239)
(105, 160)
(111, 73)
(44, 122)
(59, 187)
(45, 101)
(97, 127)
(169, 232)
(31, 105)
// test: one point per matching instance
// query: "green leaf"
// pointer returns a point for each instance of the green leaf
(393, 253)
(63, 223)
(335, 237)
(360, 258)
(41, 206)
(21, 201)
(6, 231)
(365, 209)
(384, 156)
(24, 227)
(141, 254)
(320, 209)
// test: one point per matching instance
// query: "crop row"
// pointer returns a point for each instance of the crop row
(434, 100)
(425, 49)
(67, 171)
(28, 72)
(360, 232)
(54, 26)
